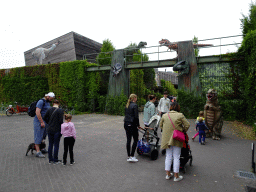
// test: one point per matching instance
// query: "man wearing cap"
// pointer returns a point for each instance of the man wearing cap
(39, 125)
(164, 104)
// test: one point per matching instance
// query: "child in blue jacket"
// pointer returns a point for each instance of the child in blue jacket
(201, 127)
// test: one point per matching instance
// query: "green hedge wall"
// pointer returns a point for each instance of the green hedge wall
(72, 85)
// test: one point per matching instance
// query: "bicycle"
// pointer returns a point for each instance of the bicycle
(20, 110)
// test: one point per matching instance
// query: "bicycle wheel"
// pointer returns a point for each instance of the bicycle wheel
(9, 112)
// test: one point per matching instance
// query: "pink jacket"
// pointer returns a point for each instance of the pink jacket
(68, 130)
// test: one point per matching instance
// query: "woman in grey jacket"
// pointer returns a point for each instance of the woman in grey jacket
(149, 109)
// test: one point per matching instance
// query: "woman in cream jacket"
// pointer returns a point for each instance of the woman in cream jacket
(173, 147)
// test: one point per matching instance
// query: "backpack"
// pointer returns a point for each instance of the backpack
(32, 108)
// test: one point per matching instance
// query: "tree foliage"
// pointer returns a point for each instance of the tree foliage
(248, 23)
(195, 41)
(169, 87)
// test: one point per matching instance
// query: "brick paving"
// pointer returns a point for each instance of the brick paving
(101, 165)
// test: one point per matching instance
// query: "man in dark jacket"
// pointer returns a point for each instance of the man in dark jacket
(54, 119)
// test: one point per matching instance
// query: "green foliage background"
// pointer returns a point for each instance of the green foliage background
(72, 85)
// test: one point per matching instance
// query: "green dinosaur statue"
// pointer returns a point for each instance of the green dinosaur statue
(131, 49)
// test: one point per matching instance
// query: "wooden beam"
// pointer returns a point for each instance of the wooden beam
(162, 63)
(138, 65)
(212, 59)
(99, 68)
(152, 64)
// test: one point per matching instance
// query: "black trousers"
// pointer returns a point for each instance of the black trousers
(131, 131)
(68, 146)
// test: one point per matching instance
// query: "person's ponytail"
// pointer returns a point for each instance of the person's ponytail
(131, 98)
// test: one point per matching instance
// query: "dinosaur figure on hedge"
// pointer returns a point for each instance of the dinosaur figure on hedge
(174, 45)
(130, 50)
(213, 116)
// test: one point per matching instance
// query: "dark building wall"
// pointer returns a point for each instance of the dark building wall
(84, 45)
(72, 47)
(167, 76)
(65, 51)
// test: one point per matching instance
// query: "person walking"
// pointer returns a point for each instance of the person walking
(68, 131)
(39, 124)
(131, 123)
(54, 119)
(173, 120)
(164, 104)
(201, 114)
(201, 127)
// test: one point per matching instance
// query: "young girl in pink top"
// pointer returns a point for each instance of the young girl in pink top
(69, 133)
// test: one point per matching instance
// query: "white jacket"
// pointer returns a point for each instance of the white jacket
(164, 105)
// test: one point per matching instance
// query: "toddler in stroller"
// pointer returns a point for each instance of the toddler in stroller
(185, 155)
(150, 141)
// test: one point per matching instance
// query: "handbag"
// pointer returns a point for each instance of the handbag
(177, 135)
(143, 146)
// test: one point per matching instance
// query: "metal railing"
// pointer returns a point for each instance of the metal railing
(157, 52)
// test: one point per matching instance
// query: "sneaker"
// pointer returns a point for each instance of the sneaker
(57, 162)
(169, 176)
(44, 151)
(40, 155)
(129, 159)
(134, 159)
(72, 163)
(178, 179)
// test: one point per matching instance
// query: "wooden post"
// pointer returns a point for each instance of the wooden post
(121, 81)
(189, 82)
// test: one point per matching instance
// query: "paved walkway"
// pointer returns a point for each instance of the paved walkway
(101, 165)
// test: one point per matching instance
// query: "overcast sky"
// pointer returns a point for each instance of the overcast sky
(27, 24)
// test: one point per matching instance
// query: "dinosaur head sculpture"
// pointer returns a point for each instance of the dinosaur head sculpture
(212, 95)
(164, 42)
(142, 44)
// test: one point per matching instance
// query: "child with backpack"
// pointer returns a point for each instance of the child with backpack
(69, 133)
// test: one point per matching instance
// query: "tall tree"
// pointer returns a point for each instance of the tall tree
(248, 23)
(104, 58)
(195, 41)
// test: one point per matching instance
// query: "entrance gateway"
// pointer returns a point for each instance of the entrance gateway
(185, 64)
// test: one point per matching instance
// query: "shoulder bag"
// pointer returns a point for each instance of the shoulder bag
(177, 135)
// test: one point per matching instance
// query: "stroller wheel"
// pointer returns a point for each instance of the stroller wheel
(139, 151)
(154, 154)
(163, 151)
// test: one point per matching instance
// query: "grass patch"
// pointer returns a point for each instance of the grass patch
(244, 131)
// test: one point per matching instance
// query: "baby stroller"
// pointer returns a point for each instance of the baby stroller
(149, 143)
(185, 156)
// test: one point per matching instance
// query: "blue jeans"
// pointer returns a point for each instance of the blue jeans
(202, 133)
(54, 140)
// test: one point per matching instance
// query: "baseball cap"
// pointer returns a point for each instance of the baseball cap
(50, 94)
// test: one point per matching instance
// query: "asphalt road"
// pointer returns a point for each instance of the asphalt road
(101, 165)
